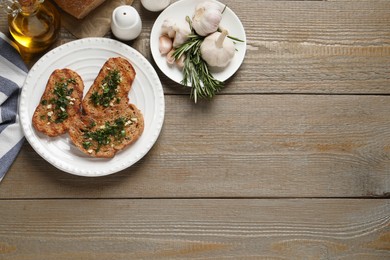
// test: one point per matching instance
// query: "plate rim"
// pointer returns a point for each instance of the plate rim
(80, 44)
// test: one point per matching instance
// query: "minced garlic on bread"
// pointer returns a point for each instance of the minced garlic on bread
(105, 135)
(111, 86)
(60, 102)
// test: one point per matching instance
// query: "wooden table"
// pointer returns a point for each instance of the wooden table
(290, 161)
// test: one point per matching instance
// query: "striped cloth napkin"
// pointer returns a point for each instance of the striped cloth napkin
(13, 72)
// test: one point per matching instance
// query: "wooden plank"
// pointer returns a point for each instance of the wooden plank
(241, 146)
(317, 47)
(177, 229)
(313, 47)
(301, 47)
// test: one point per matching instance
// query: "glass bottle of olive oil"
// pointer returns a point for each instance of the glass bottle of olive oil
(34, 24)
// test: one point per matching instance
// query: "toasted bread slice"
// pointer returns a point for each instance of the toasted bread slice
(104, 136)
(110, 88)
(60, 102)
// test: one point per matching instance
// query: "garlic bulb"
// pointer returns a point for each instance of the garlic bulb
(207, 17)
(165, 44)
(217, 50)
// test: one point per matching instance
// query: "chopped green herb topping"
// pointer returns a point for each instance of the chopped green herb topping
(106, 134)
(59, 103)
(109, 87)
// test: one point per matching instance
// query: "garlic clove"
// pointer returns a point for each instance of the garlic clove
(207, 17)
(167, 28)
(165, 44)
(217, 50)
(170, 59)
(182, 30)
(180, 61)
(178, 31)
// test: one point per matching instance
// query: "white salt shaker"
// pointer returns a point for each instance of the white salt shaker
(126, 23)
(155, 5)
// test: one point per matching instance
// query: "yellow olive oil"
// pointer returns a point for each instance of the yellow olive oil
(35, 27)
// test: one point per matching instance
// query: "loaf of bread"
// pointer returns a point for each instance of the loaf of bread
(78, 8)
(60, 102)
(105, 135)
(111, 87)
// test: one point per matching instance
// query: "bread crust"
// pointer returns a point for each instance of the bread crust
(78, 9)
(60, 102)
(114, 68)
(109, 133)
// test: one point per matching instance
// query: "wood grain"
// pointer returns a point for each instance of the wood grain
(201, 229)
(241, 146)
(322, 47)
(313, 47)
(290, 161)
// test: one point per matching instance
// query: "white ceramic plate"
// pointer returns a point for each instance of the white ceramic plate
(86, 57)
(178, 11)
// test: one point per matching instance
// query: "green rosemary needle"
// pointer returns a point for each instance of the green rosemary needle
(195, 71)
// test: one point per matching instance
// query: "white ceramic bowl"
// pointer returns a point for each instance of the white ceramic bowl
(155, 5)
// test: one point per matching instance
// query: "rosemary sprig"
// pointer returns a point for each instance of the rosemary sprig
(231, 37)
(234, 38)
(196, 72)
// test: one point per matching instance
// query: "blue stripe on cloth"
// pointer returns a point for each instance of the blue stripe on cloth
(9, 52)
(2, 127)
(7, 86)
(9, 109)
(10, 105)
(7, 160)
(11, 136)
